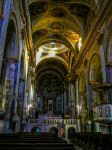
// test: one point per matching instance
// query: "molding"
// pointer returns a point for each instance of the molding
(99, 21)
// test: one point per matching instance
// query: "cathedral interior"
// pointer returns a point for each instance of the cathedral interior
(56, 71)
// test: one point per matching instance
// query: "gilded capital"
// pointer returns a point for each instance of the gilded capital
(71, 76)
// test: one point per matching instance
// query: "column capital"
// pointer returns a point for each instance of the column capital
(71, 76)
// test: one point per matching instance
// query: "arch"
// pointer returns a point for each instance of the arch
(13, 18)
(95, 80)
(61, 60)
(71, 132)
(54, 37)
(10, 50)
(54, 131)
(95, 73)
(10, 68)
(11, 53)
(53, 70)
(36, 130)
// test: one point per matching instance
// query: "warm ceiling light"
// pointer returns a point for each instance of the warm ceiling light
(80, 43)
(52, 53)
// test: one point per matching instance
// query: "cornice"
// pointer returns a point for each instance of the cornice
(95, 31)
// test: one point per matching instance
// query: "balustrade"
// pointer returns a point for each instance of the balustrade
(53, 121)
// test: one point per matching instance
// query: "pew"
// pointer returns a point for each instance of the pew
(30, 141)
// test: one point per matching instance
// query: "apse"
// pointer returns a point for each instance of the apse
(50, 84)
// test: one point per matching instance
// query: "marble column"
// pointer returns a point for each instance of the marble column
(89, 96)
(71, 92)
(103, 64)
(65, 100)
(10, 78)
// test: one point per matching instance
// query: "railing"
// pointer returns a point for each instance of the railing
(53, 121)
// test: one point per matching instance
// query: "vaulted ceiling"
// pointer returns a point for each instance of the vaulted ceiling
(57, 26)
(59, 20)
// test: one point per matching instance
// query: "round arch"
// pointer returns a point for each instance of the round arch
(36, 130)
(57, 58)
(54, 38)
(54, 131)
(95, 73)
(71, 132)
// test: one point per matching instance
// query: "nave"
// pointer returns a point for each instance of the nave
(56, 73)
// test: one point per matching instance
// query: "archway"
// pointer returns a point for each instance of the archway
(71, 133)
(95, 79)
(51, 75)
(9, 73)
(54, 131)
(21, 91)
(36, 130)
(98, 93)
